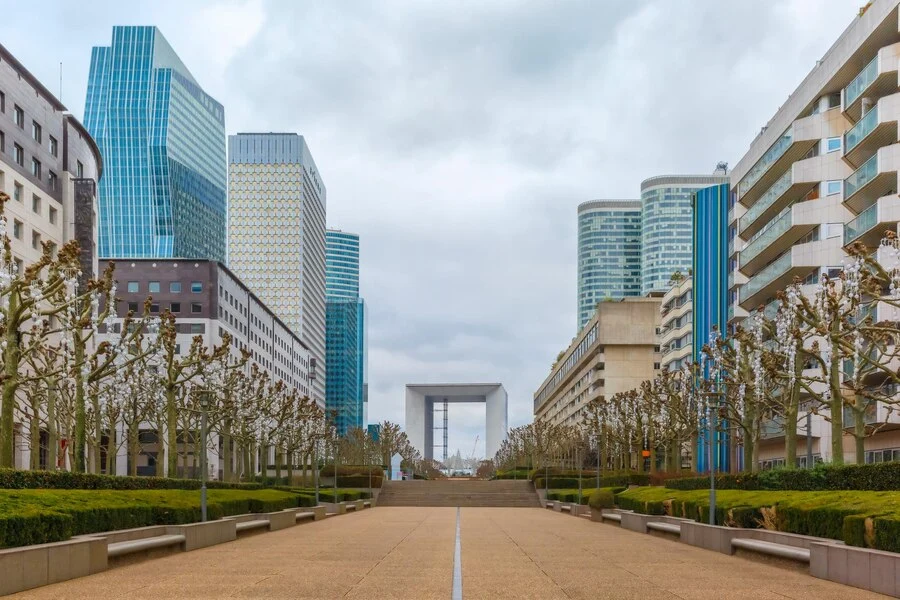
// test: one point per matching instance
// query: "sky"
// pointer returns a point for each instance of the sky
(458, 138)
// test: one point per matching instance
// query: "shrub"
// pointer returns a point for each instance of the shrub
(887, 533)
(348, 470)
(359, 481)
(602, 498)
(67, 480)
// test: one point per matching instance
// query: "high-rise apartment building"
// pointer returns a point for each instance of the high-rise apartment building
(609, 253)
(49, 168)
(346, 392)
(276, 234)
(666, 226)
(163, 144)
(821, 175)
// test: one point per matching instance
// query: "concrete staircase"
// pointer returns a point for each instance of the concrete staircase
(451, 492)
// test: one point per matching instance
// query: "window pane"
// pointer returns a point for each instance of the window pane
(154, 287)
(175, 287)
(134, 286)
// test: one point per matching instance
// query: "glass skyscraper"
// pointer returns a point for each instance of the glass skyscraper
(346, 391)
(666, 226)
(163, 144)
(609, 253)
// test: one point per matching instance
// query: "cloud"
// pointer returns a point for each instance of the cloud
(458, 139)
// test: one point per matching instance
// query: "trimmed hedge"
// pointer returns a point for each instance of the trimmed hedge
(603, 498)
(874, 477)
(859, 518)
(348, 470)
(522, 473)
(326, 494)
(564, 482)
(65, 480)
(30, 516)
(359, 481)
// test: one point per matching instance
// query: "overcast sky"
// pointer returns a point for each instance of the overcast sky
(458, 138)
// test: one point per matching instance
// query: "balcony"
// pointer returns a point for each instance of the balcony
(877, 128)
(877, 413)
(869, 226)
(800, 181)
(799, 260)
(773, 429)
(875, 80)
(787, 228)
(792, 146)
(877, 177)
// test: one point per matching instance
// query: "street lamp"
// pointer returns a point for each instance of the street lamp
(205, 400)
(712, 454)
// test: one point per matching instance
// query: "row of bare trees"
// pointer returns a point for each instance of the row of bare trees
(828, 349)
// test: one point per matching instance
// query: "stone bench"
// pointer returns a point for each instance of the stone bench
(549, 504)
(301, 515)
(251, 525)
(608, 516)
(350, 506)
(772, 549)
(660, 526)
(367, 504)
(117, 549)
(565, 508)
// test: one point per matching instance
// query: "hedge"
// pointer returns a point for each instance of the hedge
(32, 516)
(874, 477)
(521, 473)
(326, 494)
(859, 518)
(622, 480)
(67, 480)
(347, 470)
(604, 498)
(571, 496)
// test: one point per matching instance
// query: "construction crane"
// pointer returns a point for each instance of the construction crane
(474, 447)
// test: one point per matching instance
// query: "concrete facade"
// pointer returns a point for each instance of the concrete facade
(676, 317)
(420, 400)
(821, 175)
(616, 351)
(276, 234)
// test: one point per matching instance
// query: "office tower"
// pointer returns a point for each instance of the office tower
(666, 227)
(276, 234)
(614, 352)
(346, 390)
(49, 168)
(163, 144)
(609, 253)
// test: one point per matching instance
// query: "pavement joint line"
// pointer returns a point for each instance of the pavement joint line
(456, 594)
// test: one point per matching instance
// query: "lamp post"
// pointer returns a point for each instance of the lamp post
(711, 418)
(578, 460)
(316, 467)
(809, 457)
(204, 471)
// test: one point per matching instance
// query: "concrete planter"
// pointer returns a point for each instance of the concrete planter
(201, 535)
(282, 519)
(34, 566)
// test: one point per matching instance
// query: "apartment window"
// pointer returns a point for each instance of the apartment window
(36, 204)
(196, 307)
(833, 187)
(35, 240)
(2, 102)
(2, 142)
(53, 215)
(175, 287)
(20, 266)
(153, 288)
(36, 132)
(36, 168)
(54, 146)
(19, 155)
(196, 287)
(154, 308)
(656, 348)
(52, 180)
(132, 307)
(79, 169)
(134, 287)
(18, 190)
(832, 144)
(17, 229)
(177, 348)
(175, 307)
(656, 366)
(19, 116)
(198, 328)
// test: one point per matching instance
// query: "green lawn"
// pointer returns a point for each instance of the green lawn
(859, 518)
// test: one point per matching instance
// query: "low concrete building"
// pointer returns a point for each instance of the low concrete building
(614, 352)
(677, 330)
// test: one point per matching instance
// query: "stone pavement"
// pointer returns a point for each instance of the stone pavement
(407, 552)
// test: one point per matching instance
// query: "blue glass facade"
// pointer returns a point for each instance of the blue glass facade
(346, 389)
(710, 273)
(163, 144)
(666, 223)
(609, 253)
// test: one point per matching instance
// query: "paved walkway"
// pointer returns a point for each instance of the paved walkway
(405, 553)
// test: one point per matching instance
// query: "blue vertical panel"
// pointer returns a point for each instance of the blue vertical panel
(710, 288)
(341, 356)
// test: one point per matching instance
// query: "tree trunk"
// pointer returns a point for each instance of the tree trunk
(133, 447)
(97, 441)
(227, 470)
(34, 433)
(111, 451)
(52, 436)
(80, 465)
(859, 434)
(837, 411)
(695, 443)
(172, 430)
(791, 412)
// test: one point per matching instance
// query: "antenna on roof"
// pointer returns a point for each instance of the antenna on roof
(721, 166)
